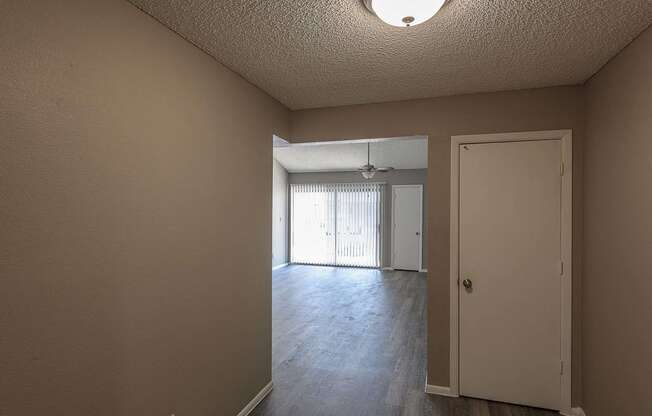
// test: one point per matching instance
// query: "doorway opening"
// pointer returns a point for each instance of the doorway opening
(338, 296)
(351, 203)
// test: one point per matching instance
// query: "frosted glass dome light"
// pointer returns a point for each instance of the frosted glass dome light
(404, 13)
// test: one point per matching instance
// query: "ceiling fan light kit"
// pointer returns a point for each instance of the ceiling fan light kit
(401, 13)
(368, 171)
(368, 174)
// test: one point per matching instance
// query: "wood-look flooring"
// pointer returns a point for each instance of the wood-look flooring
(352, 342)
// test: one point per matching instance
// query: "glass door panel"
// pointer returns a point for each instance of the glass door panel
(313, 224)
(336, 224)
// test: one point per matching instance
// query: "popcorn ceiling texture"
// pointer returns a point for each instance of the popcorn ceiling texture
(315, 53)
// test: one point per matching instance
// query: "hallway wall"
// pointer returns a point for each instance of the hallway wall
(618, 235)
(126, 218)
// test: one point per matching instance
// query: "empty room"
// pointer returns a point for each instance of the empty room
(348, 207)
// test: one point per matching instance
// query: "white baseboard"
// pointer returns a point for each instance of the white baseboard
(280, 266)
(439, 390)
(575, 411)
(389, 269)
(256, 400)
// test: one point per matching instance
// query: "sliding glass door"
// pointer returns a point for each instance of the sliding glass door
(358, 224)
(312, 224)
(336, 224)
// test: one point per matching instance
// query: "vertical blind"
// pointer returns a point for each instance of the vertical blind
(336, 224)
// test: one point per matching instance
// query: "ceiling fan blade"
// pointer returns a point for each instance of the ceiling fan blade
(385, 169)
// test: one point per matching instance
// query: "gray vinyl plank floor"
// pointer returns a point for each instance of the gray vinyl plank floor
(352, 342)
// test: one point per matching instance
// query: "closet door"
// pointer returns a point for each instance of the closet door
(509, 270)
(407, 201)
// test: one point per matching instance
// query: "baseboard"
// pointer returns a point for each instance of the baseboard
(256, 400)
(575, 411)
(280, 266)
(439, 390)
(390, 269)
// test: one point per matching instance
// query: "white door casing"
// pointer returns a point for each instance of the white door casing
(407, 233)
(511, 236)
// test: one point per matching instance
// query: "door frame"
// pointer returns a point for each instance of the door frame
(566, 173)
(393, 225)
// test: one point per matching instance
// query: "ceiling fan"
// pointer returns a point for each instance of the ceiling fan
(368, 171)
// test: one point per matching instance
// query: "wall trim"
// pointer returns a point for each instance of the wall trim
(280, 266)
(256, 400)
(566, 139)
(439, 390)
(387, 269)
(423, 271)
(574, 411)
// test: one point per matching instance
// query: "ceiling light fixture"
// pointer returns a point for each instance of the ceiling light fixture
(404, 13)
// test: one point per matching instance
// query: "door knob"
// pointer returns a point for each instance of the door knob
(467, 283)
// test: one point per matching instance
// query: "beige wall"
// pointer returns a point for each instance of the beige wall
(130, 199)
(440, 118)
(279, 214)
(617, 292)
(394, 177)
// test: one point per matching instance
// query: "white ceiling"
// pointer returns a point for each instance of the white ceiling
(400, 153)
(316, 53)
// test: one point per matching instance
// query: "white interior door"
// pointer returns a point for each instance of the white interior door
(509, 255)
(406, 228)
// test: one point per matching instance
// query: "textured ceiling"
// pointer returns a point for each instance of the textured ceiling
(404, 153)
(316, 53)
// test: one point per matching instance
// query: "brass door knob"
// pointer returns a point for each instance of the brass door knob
(467, 283)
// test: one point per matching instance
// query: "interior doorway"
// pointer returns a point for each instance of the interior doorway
(336, 295)
(340, 207)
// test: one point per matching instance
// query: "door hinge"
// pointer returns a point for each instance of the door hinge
(561, 268)
(561, 367)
